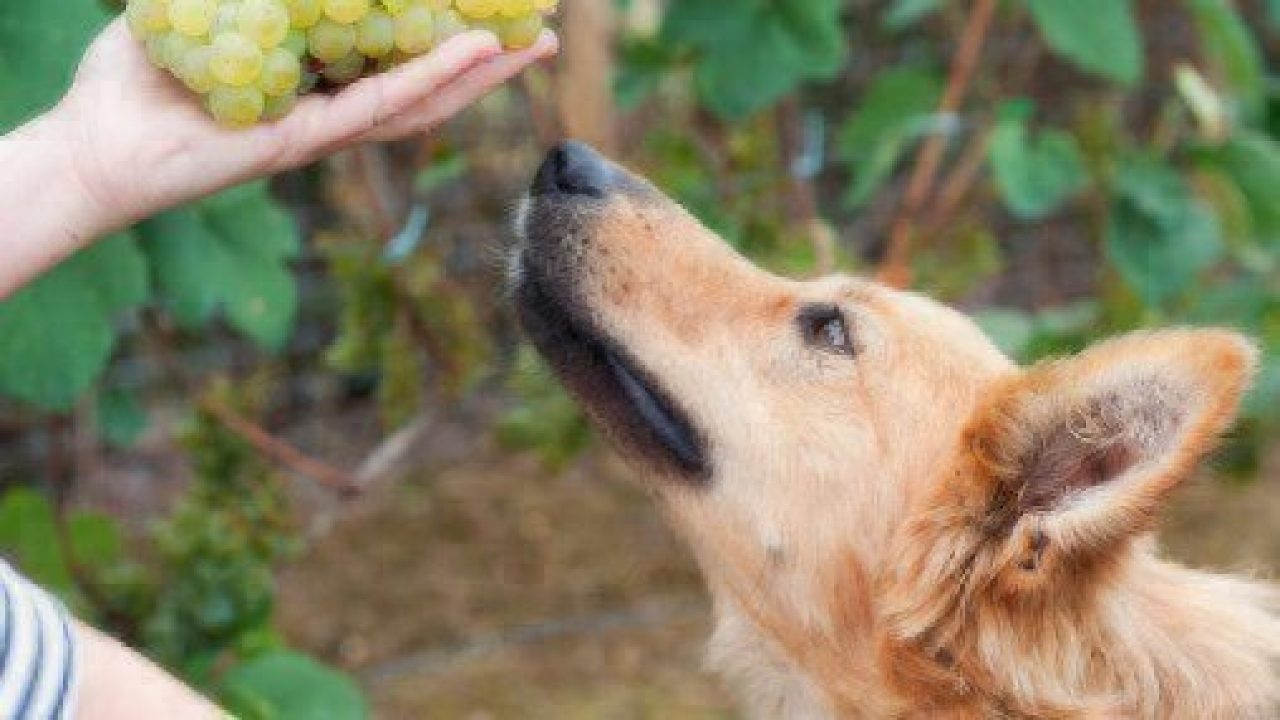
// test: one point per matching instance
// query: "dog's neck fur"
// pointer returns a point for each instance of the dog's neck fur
(1156, 642)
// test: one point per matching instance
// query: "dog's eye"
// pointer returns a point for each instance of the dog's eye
(824, 327)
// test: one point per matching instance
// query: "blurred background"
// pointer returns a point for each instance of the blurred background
(287, 439)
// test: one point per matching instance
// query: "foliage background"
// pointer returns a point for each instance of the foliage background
(294, 421)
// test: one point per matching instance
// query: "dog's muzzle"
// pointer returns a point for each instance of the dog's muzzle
(570, 194)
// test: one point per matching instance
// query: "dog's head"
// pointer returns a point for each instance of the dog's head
(847, 459)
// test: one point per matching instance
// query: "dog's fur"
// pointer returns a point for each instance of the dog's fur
(915, 528)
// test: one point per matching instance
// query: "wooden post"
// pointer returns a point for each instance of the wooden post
(584, 79)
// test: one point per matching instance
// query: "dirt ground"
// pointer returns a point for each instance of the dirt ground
(494, 589)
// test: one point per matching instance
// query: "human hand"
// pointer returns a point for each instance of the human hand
(140, 143)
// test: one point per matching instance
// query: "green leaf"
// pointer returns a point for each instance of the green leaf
(95, 540)
(1243, 304)
(1010, 329)
(893, 113)
(970, 259)
(1263, 400)
(29, 535)
(232, 252)
(1098, 36)
(121, 420)
(642, 65)
(57, 333)
(1035, 175)
(284, 685)
(1231, 48)
(750, 53)
(1252, 162)
(905, 13)
(40, 44)
(1159, 236)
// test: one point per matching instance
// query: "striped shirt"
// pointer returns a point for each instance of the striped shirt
(37, 652)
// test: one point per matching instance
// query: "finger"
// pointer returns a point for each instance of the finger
(321, 124)
(464, 91)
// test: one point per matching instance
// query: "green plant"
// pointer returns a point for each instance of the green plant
(200, 596)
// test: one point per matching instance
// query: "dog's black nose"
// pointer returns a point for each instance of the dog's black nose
(573, 168)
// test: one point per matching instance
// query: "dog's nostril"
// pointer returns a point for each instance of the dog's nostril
(573, 168)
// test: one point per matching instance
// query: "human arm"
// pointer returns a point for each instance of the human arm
(54, 667)
(117, 683)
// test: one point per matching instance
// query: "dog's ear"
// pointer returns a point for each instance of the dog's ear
(1078, 454)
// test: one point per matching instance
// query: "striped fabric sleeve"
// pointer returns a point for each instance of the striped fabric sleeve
(37, 652)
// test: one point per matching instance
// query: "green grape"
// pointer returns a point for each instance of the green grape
(345, 70)
(236, 106)
(154, 46)
(395, 7)
(415, 30)
(492, 26)
(438, 6)
(448, 24)
(174, 47)
(376, 34)
(277, 107)
(281, 73)
(478, 9)
(296, 43)
(304, 13)
(522, 32)
(266, 22)
(146, 17)
(227, 19)
(383, 64)
(194, 70)
(236, 59)
(192, 17)
(330, 41)
(515, 9)
(347, 12)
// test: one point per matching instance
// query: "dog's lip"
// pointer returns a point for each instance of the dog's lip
(623, 397)
(667, 423)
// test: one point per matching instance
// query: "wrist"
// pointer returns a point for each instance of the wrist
(85, 211)
(48, 213)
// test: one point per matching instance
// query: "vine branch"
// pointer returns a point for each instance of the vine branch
(958, 184)
(896, 269)
(278, 450)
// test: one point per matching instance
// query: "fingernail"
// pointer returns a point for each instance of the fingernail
(491, 40)
(485, 40)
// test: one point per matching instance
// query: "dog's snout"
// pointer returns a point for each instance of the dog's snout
(573, 168)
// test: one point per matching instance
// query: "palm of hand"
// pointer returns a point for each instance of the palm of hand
(138, 135)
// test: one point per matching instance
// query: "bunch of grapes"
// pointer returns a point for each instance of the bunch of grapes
(252, 59)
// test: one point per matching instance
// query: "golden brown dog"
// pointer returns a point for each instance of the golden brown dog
(894, 520)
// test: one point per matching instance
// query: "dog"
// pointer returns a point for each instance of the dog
(893, 519)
